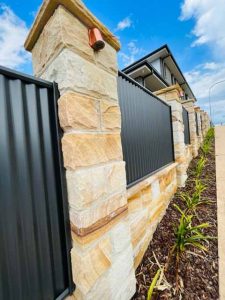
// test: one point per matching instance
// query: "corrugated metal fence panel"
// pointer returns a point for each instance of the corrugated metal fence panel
(196, 121)
(34, 231)
(147, 137)
(187, 139)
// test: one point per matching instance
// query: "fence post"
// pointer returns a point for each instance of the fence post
(200, 136)
(203, 119)
(89, 114)
(189, 105)
(171, 96)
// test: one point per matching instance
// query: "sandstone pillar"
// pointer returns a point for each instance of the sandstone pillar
(189, 106)
(171, 96)
(200, 136)
(89, 114)
(202, 113)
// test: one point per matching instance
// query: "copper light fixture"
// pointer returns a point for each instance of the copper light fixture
(95, 39)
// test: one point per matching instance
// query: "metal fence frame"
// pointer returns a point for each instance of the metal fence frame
(138, 168)
(187, 138)
(11, 74)
(196, 122)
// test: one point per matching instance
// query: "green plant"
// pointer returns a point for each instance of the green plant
(206, 147)
(210, 134)
(153, 284)
(208, 141)
(188, 235)
(200, 166)
(192, 201)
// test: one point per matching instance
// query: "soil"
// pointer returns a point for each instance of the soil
(198, 270)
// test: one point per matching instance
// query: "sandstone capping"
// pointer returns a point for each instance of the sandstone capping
(78, 9)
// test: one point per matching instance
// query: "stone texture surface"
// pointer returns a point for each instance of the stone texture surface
(111, 226)
(61, 31)
(81, 150)
(172, 96)
(86, 187)
(107, 59)
(79, 112)
(189, 105)
(97, 212)
(87, 268)
(74, 73)
(147, 203)
(110, 115)
(102, 253)
(111, 261)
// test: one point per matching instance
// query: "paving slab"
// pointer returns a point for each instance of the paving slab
(220, 183)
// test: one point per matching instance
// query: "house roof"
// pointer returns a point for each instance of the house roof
(164, 53)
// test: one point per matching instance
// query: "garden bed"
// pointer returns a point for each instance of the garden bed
(197, 274)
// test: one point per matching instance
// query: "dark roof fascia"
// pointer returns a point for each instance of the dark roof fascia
(185, 81)
(145, 57)
(128, 78)
(154, 52)
(148, 65)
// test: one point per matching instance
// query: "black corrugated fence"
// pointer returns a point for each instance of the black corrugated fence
(187, 138)
(196, 121)
(147, 136)
(34, 226)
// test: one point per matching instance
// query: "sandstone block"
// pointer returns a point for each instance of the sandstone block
(146, 195)
(78, 111)
(138, 223)
(74, 73)
(110, 114)
(178, 137)
(140, 251)
(127, 289)
(88, 186)
(120, 237)
(80, 150)
(95, 217)
(135, 202)
(177, 126)
(107, 59)
(87, 268)
(62, 31)
(155, 190)
(165, 180)
(119, 272)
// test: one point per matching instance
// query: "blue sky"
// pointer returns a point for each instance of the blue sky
(193, 29)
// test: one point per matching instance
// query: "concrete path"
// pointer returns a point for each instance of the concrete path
(220, 178)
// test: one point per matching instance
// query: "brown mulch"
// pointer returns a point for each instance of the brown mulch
(198, 270)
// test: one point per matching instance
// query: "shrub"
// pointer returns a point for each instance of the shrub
(188, 235)
(200, 166)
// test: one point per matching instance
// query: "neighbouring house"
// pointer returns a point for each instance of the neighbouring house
(159, 70)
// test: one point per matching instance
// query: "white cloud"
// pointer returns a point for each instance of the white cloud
(201, 78)
(209, 31)
(210, 22)
(13, 32)
(125, 23)
(131, 53)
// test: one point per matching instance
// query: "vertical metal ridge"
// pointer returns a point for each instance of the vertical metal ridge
(147, 136)
(196, 123)
(187, 138)
(35, 239)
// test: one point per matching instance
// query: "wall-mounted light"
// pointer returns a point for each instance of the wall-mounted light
(95, 39)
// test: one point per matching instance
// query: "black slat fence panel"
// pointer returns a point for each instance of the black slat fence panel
(34, 227)
(196, 121)
(187, 138)
(147, 137)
